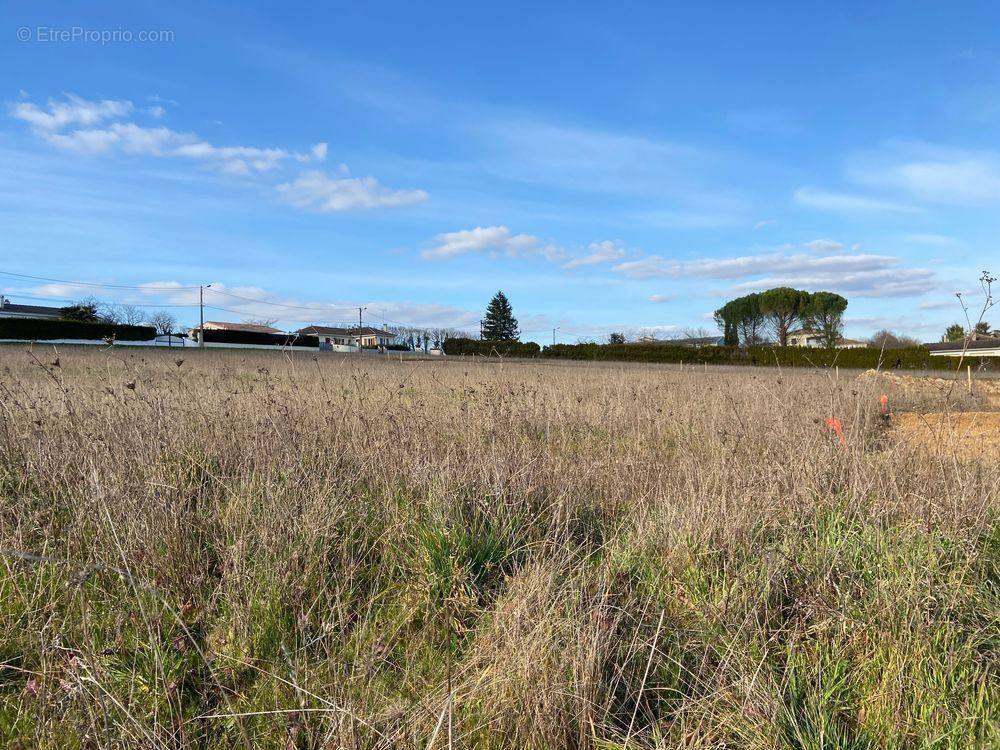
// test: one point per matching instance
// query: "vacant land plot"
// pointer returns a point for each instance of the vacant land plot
(230, 549)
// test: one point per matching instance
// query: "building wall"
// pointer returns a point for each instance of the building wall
(10, 314)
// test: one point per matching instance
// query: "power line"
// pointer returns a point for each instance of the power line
(323, 307)
(67, 299)
(133, 304)
(95, 284)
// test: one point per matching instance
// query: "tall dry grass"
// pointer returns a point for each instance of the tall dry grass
(247, 550)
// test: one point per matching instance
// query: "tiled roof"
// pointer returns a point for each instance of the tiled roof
(225, 326)
(332, 331)
(39, 310)
(981, 342)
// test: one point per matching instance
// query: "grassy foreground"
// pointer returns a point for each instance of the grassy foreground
(241, 550)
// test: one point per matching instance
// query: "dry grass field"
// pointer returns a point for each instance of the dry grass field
(243, 550)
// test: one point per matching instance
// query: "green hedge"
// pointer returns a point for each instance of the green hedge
(44, 329)
(255, 337)
(492, 348)
(912, 358)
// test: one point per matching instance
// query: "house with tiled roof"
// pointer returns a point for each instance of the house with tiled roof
(10, 310)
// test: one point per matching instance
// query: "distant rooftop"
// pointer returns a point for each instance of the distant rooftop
(337, 331)
(980, 342)
(27, 311)
(221, 325)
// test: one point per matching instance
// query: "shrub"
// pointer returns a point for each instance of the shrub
(43, 329)
(910, 358)
(266, 339)
(492, 348)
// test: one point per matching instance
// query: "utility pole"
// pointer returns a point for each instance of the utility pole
(201, 315)
(360, 310)
(554, 335)
(482, 329)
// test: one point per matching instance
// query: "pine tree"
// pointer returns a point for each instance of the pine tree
(500, 323)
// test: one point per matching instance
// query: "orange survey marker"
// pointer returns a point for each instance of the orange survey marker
(835, 424)
(884, 403)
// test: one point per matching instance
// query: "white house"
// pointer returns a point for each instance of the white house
(9, 310)
(974, 347)
(814, 339)
(369, 337)
(219, 325)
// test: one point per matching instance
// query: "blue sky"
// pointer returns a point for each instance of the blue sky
(610, 167)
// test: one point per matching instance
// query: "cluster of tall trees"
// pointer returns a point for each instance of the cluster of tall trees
(957, 332)
(773, 314)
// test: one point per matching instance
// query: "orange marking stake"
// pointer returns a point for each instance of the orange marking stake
(884, 403)
(837, 426)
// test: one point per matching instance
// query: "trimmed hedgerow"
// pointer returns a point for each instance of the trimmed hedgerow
(492, 348)
(265, 339)
(45, 329)
(911, 358)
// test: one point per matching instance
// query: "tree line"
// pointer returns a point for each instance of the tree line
(772, 314)
(93, 310)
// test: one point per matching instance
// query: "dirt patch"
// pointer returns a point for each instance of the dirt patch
(963, 434)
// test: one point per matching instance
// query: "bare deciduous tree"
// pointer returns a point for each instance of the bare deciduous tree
(163, 322)
(268, 322)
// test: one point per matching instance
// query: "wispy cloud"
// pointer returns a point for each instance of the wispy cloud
(598, 252)
(96, 128)
(879, 283)
(931, 173)
(316, 191)
(824, 246)
(100, 136)
(655, 266)
(73, 110)
(824, 266)
(500, 241)
(496, 240)
(827, 200)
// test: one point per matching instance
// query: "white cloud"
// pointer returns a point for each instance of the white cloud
(942, 304)
(660, 298)
(826, 200)
(909, 174)
(886, 282)
(498, 239)
(826, 266)
(763, 223)
(88, 142)
(932, 174)
(316, 191)
(234, 160)
(605, 251)
(72, 111)
(655, 266)
(310, 190)
(136, 140)
(53, 124)
(824, 246)
(319, 152)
